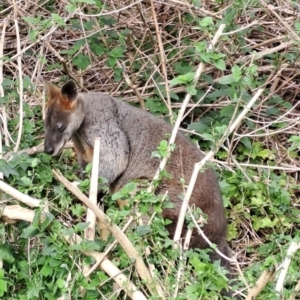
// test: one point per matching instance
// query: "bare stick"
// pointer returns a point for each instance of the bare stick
(17, 212)
(200, 164)
(263, 280)
(90, 231)
(95, 266)
(162, 58)
(291, 251)
(34, 150)
(19, 60)
(295, 292)
(20, 196)
(200, 231)
(4, 119)
(117, 233)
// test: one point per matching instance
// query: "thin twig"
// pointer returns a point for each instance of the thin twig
(19, 59)
(162, 59)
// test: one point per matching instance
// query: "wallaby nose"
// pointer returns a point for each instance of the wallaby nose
(48, 149)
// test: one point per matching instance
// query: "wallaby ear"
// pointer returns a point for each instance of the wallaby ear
(69, 90)
(51, 89)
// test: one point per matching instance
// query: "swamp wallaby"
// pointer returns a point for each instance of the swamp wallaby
(128, 136)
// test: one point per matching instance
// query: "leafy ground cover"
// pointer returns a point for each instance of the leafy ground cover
(148, 53)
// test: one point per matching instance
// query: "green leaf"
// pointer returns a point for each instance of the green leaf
(236, 71)
(183, 79)
(26, 181)
(129, 187)
(182, 67)
(49, 250)
(206, 56)
(87, 1)
(263, 223)
(208, 137)
(82, 61)
(201, 47)
(199, 127)
(207, 21)
(3, 287)
(273, 111)
(117, 195)
(46, 270)
(143, 230)
(6, 253)
(246, 142)
(176, 81)
(34, 289)
(34, 162)
(266, 153)
(59, 21)
(297, 26)
(68, 231)
(220, 64)
(227, 79)
(49, 218)
(111, 62)
(81, 226)
(227, 111)
(30, 231)
(191, 90)
(97, 47)
(33, 33)
(116, 52)
(6, 169)
(32, 20)
(295, 139)
(91, 246)
(163, 148)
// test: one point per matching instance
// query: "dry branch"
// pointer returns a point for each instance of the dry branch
(263, 280)
(294, 247)
(90, 231)
(32, 202)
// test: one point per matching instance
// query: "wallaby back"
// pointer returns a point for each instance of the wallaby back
(128, 136)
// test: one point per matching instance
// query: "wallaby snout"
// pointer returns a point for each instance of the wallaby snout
(48, 149)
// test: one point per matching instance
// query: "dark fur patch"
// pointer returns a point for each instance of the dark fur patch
(69, 91)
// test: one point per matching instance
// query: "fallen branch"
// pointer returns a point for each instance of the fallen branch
(90, 231)
(291, 251)
(263, 280)
(32, 202)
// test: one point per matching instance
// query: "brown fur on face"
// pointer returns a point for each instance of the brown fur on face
(63, 117)
(128, 136)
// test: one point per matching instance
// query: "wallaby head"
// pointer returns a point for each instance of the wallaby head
(63, 116)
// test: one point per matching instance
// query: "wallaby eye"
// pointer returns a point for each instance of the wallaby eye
(60, 126)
